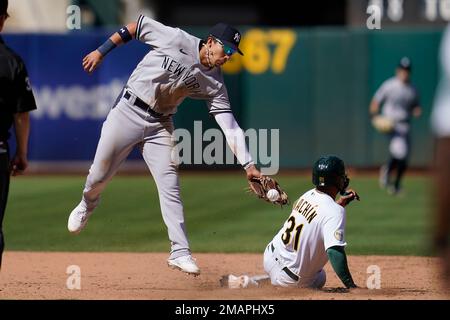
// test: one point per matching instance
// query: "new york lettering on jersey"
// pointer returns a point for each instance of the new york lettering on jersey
(179, 70)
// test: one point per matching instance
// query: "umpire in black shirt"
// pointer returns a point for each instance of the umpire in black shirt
(16, 100)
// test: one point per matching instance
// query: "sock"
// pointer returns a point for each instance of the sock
(401, 168)
(392, 164)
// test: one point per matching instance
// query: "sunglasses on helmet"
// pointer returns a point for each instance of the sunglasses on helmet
(227, 49)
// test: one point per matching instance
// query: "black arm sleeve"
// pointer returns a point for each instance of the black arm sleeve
(23, 93)
(338, 260)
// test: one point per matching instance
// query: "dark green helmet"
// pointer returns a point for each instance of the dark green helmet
(330, 171)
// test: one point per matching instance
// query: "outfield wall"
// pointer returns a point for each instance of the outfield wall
(314, 85)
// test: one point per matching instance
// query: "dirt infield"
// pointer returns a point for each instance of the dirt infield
(39, 275)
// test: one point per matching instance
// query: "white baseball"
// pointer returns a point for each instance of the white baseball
(272, 195)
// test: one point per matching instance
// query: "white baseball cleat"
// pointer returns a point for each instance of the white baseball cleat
(185, 263)
(78, 218)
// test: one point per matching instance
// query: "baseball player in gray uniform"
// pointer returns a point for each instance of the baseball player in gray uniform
(399, 100)
(179, 65)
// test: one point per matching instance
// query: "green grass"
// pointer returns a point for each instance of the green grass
(220, 216)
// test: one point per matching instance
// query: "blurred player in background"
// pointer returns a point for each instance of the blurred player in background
(16, 100)
(441, 128)
(398, 100)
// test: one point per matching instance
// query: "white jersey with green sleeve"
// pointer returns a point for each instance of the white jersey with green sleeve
(316, 223)
(171, 71)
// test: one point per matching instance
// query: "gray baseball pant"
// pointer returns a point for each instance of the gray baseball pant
(128, 126)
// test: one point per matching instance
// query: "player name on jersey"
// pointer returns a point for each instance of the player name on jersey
(306, 209)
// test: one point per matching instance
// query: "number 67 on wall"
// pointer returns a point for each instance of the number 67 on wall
(258, 54)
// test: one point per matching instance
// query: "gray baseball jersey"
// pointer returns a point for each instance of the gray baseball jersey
(172, 71)
(398, 99)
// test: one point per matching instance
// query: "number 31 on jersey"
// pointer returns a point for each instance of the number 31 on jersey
(292, 231)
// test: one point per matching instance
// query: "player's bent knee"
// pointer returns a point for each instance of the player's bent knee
(320, 280)
(283, 280)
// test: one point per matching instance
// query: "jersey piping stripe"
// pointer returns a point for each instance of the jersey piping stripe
(138, 29)
(219, 111)
(139, 26)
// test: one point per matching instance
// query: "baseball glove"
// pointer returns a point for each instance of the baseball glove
(260, 187)
(382, 124)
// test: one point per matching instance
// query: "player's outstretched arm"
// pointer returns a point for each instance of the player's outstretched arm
(338, 260)
(252, 172)
(93, 59)
(236, 141)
